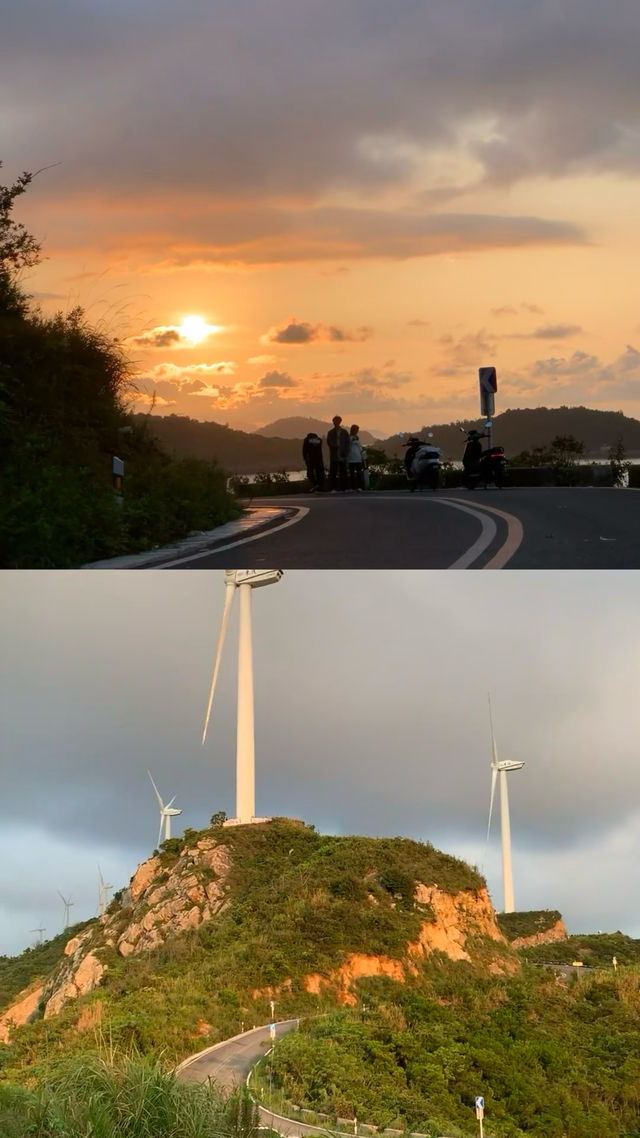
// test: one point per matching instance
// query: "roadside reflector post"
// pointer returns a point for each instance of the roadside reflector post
(117, 472)
(480, 1112)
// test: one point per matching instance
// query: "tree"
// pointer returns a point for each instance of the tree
(619, 468)
(18, 248)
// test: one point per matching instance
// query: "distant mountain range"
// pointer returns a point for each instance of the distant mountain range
(297, 427)
(271, 449)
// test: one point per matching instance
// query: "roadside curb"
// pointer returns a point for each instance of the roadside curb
(255, 518)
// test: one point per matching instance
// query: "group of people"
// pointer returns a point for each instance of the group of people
(347, 459)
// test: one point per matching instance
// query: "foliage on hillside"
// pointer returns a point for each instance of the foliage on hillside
(17, 972)
(300, 902)
(515, 925)
(63, 389)
(594, 949)
(552, 1060)
(521, 429)
(125, 1098)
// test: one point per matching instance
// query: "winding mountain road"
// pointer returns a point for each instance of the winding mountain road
(541, 528)
(228, 1064)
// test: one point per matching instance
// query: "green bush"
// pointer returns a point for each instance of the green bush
(128, 1098)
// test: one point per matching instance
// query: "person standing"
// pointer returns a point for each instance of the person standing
(314, 461)
(355, 459)
(338, 443)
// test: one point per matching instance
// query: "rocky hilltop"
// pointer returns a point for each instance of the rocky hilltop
(221, 921)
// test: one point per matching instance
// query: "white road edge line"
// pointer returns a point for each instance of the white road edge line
(302, 512)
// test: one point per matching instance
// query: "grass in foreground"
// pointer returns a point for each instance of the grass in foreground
(122, 1098)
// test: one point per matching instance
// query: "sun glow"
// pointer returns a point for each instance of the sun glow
(195, 329)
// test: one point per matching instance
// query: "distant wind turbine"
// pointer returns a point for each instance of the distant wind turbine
(41, 931)
(103, 893)
(501, 769)
(242, 580)
(67, 902)
(166, 812)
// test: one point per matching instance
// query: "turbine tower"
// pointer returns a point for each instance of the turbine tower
(502, 768)
(41, 931)
(67, 902)
(103, 890)
(166, 812)
(242, 581)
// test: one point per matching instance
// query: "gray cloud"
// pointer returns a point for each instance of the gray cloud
(301, 332)
(273, 114)
(548, 332)
(157, 338)
(387, 736)
(278, 379)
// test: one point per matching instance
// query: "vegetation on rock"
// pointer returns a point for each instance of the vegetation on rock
(525, 924)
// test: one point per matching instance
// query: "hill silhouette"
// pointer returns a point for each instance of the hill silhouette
(243, 452)
(296, 427)
(525, 429)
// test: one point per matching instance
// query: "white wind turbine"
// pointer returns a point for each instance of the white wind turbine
(166, 812)
(67, 902)
(242, 581)
(502, 768)
(41, 930)
(103, 893)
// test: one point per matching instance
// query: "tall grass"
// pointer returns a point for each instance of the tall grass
(126, 1097)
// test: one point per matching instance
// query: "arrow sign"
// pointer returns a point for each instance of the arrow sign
(488, 388)
(488, 379)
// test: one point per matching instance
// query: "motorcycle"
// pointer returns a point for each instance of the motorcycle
(422, 463)
(486, 466)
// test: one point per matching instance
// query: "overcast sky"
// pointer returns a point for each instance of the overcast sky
(371, 718)
(363, 201)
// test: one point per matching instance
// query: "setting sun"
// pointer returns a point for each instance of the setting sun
(194, 328)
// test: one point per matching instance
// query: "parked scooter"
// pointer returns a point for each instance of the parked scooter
(482, 466)
(422, 464)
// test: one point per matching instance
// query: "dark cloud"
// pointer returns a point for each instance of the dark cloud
(550, 91)
(157, 338)
(555, 332)
(278, 379)
(301, 332)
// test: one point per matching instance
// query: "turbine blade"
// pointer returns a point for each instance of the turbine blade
(160, 832)
(228, 602)
(160, 802)
(170, 803)
(494, 775)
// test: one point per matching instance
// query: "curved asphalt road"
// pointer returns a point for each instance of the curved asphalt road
(227, 1064)
(554, 528)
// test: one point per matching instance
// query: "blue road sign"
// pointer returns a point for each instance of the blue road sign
(479, 1102)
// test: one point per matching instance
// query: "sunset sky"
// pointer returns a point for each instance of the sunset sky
(362, 201)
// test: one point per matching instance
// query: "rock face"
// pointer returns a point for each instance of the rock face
(161, 904)
(457, 917)
(558, 931)
(21, 1011)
